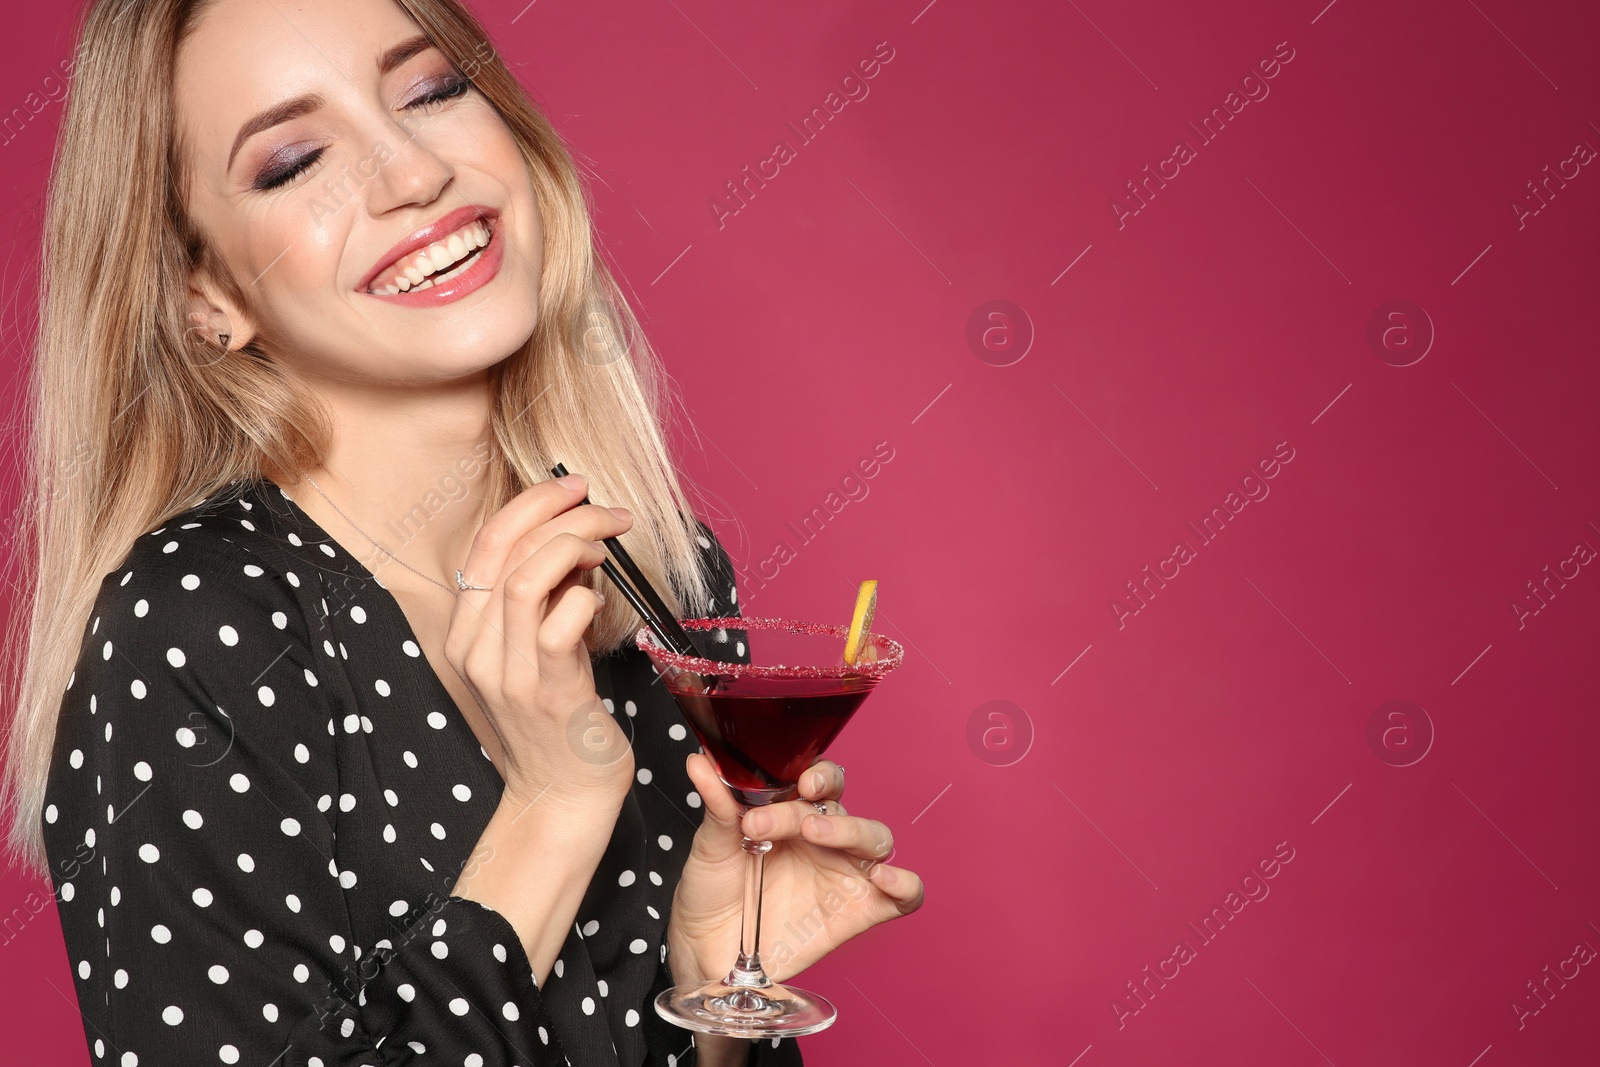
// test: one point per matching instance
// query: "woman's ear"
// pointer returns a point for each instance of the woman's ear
(215, 318)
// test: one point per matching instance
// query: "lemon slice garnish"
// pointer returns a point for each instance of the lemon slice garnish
(861, 621)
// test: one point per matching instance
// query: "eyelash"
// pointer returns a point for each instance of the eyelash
(272, 179)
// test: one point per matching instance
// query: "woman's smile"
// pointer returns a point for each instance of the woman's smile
(440, 263)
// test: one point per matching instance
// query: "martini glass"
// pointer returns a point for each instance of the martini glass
(763, 723)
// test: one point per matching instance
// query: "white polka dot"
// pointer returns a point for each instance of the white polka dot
(655, 878)
(83, 969)
(253, 571)
(407, 993)
(440, 950)
(192, 819)
(301, 972)
(644, 774)
(437, 830)
(229, 635)
(228, 1054)
(638, 945)
(626, 878)
(458, 1006)
(410, 758)
(601, 983)
(279, 619)
(336, 943)
(149, 853)
(590, 927)
(510, 1012)
(436, 719)
(270, 1011)
(293, 902)
(630, 707)
(239, 783)
(560, 968)
(588, 1005)
(738, 649)
(142, 608)
(311, 679)
(676, 731)
(347, 879)
(301, 753)
(141, 771)
(246, 862)
(120, 979)
(291, 827)
(347, 801)
(500, 953)
(130, 1059)
(76, 759)
(191, 582)
(391, 797)
(254, 938)
(358, 613)
(472, 1060)
(218, 973)
(202, 897)
(176, 657)
(664, 841)
(693, 799)
(352, 723)
(388, 832)
(265, 695)
(411, 648)
(462, 793)
(632, 1018)
(185, 737)
(50, 814)
(68, 891)
(172, 1015)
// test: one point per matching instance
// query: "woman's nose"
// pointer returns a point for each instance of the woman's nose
(412, 174)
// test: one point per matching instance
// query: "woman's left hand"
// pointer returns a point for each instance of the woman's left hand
(825, 879)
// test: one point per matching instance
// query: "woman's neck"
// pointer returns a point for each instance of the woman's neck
(408, 470)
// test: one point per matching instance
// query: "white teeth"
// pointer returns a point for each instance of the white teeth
(441, 259)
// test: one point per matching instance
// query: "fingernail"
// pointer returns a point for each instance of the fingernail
(621, 513)
(822, 824)
(570, 481)
(817, 781)
(761, 822)
(886, 875)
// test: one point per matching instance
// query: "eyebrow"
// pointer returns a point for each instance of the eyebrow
(290, 110)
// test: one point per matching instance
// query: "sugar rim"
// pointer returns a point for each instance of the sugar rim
(894, 655)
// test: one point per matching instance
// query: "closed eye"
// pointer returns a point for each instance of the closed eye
(283, 174)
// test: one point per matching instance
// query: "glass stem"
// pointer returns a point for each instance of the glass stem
(747, 973)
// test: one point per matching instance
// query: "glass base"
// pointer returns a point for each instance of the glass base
(737, 1011)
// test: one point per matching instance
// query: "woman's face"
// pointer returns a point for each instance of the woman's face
(373, 205)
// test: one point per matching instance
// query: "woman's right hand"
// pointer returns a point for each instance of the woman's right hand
(519, 646)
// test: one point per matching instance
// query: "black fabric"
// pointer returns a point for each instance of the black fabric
(261, 792)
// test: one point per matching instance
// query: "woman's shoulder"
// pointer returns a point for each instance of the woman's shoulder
(719, 567)
(229, 551)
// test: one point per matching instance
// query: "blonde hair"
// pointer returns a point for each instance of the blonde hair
(132, 423)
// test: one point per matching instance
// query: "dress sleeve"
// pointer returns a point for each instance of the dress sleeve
(200, 896)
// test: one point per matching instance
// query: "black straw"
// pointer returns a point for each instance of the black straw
(646, 601)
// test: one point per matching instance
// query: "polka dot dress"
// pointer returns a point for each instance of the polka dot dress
(261, 794)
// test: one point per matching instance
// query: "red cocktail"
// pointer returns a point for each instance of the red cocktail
(763, 716)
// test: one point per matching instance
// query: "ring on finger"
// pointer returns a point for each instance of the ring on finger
(821, 806)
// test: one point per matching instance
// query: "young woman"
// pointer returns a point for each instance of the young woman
(332, 747)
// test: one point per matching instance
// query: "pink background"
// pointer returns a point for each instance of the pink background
(1163, 753)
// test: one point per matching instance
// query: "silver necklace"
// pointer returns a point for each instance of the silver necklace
(375, 543)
